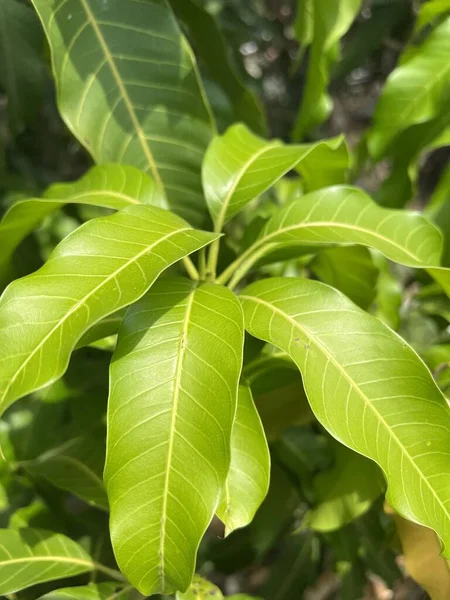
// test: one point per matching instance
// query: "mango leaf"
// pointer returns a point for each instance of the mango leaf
(200, 589)
(21, 73)
(110, 186)
(415, 91)
(102, 591)
(349, 270)
(75, 466)
(136, 97)
(174, 379)
(107, 327)
(325, 24)
(31, 556)
(239, 166)
(248, 478)
(214, 52)
(342, 214)
(431, 11)
(101, 267)
(399, 418)
(422, 556)
(344, 492)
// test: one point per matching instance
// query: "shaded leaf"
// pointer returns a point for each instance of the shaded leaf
(399, 418)
(415, 91)
(102, 591)
(103, 266)
(248, 478)
(32, 556)
(135, 96)
(109, 186)
(200, 589)
(184, 410)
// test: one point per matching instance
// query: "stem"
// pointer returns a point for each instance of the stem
(225, 275)
(213, 258)
(247, 265)
(110, 572)
(191, 269)
(202, 263)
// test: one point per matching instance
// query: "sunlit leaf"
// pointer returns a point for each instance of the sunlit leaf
(367, 388)
(103, 266)
(172, 404)
(248, 478)
(200, 589)
(128, 88)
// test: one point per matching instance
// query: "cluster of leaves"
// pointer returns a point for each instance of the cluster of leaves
(225, 333)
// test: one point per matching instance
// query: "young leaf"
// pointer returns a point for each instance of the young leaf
(75, 466)
(239, 166)
(21, 72)
(31, 556)
(366, 386)
(102, 591)
(200, 589)
(110, 186)
(101, 267)
(327, 23)
(174, 379)
(135, 97)
(345, 492)
(346, 215)
(414, 92)
(212, 48)
(248, 478)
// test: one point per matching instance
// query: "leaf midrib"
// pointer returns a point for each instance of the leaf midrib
(82, 301)
(355, 386)
(47, 558)
(116, 75)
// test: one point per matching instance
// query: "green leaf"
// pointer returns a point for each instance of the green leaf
(248, 478)
(200, 589)
(101, 267)
(75, 466)
(136, 97)
(31, 556)
(366, 386)
(431, 11)
(21, 71)
(102, 591)
(349, 270)
(212, 48)
(174, 379)
(414, 93)
(239, 166)
(110, 186)
(345, 492)
(103, 329)
(346, 215)
(325, 25)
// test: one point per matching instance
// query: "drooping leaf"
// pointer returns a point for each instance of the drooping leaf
(174, 380)
(103, 266)
(248, 478)
(325, 23)
(21, 72)
(345, 492)
(135, 96)
(102, 591)
(415, 91)
(239, 166)
(110, 186)
(349, 270)
(31, 556)
(211, 47)
(367, 388)
(346, 215)
(200, 589)
(75, 466)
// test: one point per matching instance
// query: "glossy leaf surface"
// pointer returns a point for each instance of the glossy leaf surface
(367, 388)
(31, 556)
(103, 266)
(109, 186)
(239, 166)
(128, 88)
(174, 379)
(248, 478)
(414, 92)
